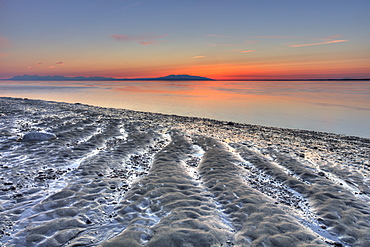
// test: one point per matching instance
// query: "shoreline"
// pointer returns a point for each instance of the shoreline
(116, 177)
(221, 122)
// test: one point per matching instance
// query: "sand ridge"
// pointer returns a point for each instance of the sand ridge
(115, 177)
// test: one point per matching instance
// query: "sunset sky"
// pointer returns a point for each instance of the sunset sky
(220, 39)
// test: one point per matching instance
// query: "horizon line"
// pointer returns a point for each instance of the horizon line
(86, 78)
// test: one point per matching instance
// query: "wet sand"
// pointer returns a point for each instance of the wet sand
(111, 177)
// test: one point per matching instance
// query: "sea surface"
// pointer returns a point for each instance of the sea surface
(341, 107)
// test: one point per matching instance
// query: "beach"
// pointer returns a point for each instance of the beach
(82, 175)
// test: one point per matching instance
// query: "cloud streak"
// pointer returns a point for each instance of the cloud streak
(320, 43)
(243, 51)
(199, 57)
(143, 39)
(60, 63)
(130, 6)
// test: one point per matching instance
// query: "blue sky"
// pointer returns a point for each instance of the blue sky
(222, 39)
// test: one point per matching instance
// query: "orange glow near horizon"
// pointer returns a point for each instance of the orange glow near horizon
(209, 90)
(206, 66)
(276, 71)
(218, 72)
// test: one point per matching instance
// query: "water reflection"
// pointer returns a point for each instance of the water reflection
(341, 107)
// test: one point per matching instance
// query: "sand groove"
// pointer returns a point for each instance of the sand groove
(87, 200)
(339, 210)
(251, 213)
(330, 202)
(169, 207)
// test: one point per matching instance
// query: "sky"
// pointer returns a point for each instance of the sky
(220, 39)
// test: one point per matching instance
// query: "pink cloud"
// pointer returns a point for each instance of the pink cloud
(248, 51)
(336, 36)
(122, 37)
(60, 63)
(144, 39)
(320, 43)
(51, 67)
(147, 43)
(29, 67)
(38, 64)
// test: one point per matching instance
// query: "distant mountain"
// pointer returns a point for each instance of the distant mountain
(183, 78)
(59, 78)
(98, 78)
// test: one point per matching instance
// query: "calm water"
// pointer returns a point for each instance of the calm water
(338, 107)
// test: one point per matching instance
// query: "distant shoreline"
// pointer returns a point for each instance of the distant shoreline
(98, 78)
(165, 78)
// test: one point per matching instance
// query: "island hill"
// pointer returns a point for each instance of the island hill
(98, 78)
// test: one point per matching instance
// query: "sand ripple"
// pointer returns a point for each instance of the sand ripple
(116, 177)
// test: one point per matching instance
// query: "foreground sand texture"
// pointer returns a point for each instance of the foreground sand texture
(111, 177)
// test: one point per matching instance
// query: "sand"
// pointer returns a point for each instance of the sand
(79, 175)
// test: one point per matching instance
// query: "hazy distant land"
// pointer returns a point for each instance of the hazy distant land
(183, 77)
(99, 78)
